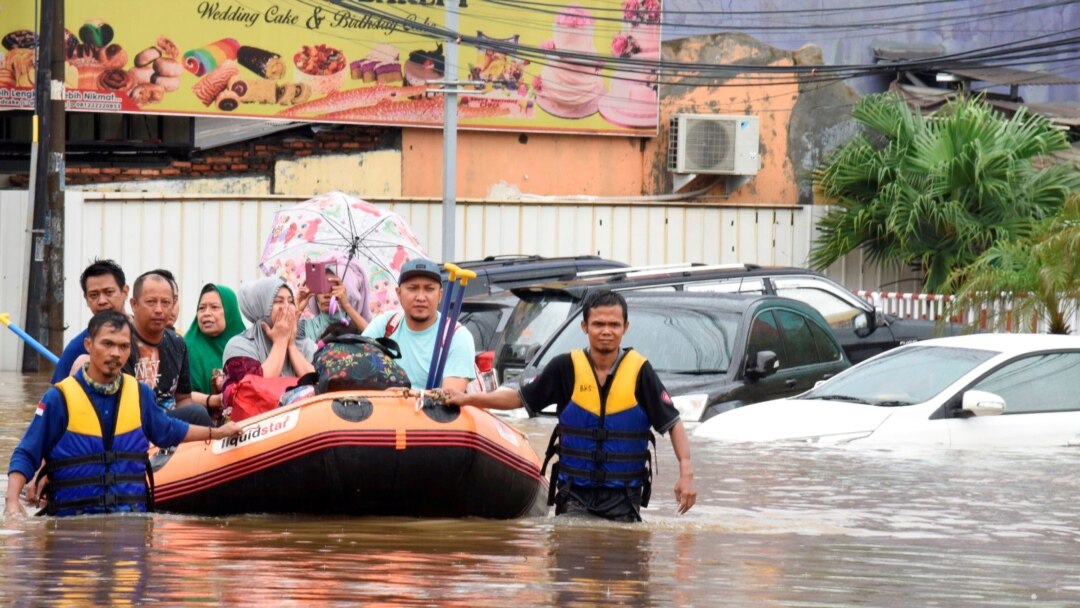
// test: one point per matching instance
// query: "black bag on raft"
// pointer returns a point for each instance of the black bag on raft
(353, 362)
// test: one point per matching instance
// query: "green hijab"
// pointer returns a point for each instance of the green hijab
(204, 352)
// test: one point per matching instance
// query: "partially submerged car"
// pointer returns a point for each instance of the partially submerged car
(715, 352)
(979, 390)
(861, 330)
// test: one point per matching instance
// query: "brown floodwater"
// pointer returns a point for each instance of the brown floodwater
(775, 525)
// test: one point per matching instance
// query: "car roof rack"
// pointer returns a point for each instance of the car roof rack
(629, 269)
(695, 269)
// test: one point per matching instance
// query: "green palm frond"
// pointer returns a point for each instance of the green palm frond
(937, 191)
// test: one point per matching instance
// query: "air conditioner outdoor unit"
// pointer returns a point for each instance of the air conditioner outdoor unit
(713, 144)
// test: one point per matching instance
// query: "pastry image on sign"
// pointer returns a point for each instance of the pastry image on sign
(264, 63)
(206, 59)
(423, 66)
(321, 67)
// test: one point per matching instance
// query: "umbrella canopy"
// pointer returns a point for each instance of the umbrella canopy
(333, 225)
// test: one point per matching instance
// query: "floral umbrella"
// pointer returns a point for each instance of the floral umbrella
(334, 225)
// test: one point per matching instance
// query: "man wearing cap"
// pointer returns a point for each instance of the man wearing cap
(414, 327)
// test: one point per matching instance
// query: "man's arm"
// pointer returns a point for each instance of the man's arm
(653, 396)
(45, 428)
(207, 433)
(12, 506)
(165, 431)
(502, 399)
(685, 492)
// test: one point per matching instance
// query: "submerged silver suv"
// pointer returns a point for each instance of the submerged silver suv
(860, 330)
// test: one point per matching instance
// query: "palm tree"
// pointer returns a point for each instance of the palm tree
(1040, 275)
(936, 192)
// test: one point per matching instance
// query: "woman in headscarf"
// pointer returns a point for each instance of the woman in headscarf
(271, 345)
(348, 295)
(217, 319)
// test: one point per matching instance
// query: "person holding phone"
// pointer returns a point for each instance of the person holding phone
(334, 291)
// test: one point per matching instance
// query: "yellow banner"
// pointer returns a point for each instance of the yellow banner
(350, 61)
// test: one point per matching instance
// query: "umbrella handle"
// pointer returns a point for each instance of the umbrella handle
(5, 319)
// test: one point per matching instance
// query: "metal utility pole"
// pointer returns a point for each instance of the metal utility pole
(45, 293)
(449, 201)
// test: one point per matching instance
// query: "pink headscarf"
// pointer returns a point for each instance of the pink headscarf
(354, 278)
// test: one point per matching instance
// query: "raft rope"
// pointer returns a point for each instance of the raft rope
(423, 396)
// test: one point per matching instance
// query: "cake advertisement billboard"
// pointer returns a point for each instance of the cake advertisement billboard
(582, 67)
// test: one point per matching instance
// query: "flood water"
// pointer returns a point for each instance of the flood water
(791, 525)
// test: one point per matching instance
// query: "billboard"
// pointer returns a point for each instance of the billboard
(350, 62)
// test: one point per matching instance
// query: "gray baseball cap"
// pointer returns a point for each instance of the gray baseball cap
(419, 267)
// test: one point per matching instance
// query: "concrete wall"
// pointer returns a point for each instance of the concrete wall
(14, 263)
(367, 174)
(208, 238)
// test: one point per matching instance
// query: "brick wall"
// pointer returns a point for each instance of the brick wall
(253, 157)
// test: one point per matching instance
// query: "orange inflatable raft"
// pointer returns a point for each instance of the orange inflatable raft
(358, 453)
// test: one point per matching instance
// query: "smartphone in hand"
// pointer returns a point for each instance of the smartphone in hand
(315, 277)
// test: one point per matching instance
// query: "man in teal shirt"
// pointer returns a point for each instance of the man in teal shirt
(414, 327)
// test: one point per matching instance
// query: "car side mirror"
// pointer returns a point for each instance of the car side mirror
(764, 364)
(982, 403)
(865, 323)
(530, 352)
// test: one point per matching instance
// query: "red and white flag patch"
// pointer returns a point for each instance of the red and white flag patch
(40, 409)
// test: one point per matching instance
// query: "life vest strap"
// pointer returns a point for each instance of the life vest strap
(105, 501)
(599, 434)
(602, 456)
(600, 475)
(106, 479)
(104, 458)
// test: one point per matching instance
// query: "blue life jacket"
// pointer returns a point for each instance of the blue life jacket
(88, 476)
(602, 442)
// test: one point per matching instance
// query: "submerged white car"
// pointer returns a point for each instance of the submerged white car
(967, 391)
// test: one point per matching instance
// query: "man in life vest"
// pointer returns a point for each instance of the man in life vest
(608, 398)
(94, 431)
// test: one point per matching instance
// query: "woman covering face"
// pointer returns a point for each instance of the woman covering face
(269, 305)
(217, 319)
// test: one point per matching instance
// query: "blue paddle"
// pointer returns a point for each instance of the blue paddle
(440, 329)
(5, 318)
(451, 323)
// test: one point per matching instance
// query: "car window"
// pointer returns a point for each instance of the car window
(764, 335)
(533, 321)
(838, 313)
(746, 285)
(910, 374)
(673, 340)
(483, 324)
(827, 347)
(798, 341)
(1040, 383)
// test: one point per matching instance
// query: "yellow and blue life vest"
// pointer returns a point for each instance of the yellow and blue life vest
(603, 440)
(88, 476)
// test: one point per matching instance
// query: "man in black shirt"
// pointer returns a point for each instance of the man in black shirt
(159, 355)
(607, 398)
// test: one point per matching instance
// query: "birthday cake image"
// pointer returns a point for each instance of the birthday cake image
(570, 87)
(631, 100)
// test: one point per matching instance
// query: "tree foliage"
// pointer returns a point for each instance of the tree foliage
(938, 191)
(1040, 275)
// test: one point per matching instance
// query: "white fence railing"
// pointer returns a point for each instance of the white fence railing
(932, 307)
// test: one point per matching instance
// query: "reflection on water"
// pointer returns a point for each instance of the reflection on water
(774, 526)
